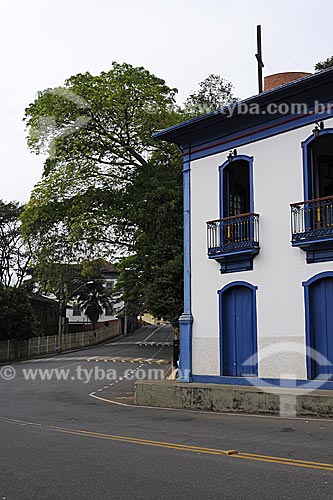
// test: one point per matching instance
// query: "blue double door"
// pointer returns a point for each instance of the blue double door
(238, 332)
(321, 329)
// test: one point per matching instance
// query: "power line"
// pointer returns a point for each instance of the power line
(282, 50)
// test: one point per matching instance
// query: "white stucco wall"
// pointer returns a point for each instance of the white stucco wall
(83, 318)
(279, 269)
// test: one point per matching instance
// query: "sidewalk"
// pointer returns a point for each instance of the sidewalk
(37, 347)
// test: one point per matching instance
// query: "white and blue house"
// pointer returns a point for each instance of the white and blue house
(258, 238)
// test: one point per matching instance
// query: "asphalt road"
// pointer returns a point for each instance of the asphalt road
(79, 437)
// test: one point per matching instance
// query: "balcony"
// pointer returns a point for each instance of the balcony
(312, 228)
(234, 241)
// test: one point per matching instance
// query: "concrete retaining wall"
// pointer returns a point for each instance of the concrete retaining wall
(12, 350)
(233, 399)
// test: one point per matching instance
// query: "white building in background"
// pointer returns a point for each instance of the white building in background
(258, 237)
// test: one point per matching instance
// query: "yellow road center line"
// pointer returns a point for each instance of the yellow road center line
(250, 455)
(287, 462)
(210, 451)
(145, 442)
(183, 447)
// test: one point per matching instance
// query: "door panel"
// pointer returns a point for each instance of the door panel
(321, 326)
(229, 333)
(239, 341)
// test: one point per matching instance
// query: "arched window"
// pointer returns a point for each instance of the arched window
(312, 219)
(233, 239)
(236, 193)
(318, 165)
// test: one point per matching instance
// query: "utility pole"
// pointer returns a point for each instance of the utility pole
(60, 321)
(125, 321)
(259, 59)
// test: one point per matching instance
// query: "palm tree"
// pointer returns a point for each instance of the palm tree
(94, 299)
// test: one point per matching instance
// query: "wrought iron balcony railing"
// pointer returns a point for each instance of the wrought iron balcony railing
(233, 234)
(312, 220)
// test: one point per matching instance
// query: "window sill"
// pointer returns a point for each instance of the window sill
(236, 261)
(317, 250)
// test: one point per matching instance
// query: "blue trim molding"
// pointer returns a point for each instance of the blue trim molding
(257, 133)
(325, 274)
(254, 288)
(186, 319)
(264, 382)
(305, 154)
(226, 164)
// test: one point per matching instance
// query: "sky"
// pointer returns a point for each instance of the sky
(43, 42)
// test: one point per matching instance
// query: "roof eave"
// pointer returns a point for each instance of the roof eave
(177, 132)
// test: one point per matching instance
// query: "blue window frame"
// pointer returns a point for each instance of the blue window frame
(233, 239)
(312, 219)
(317, 165)
(236, 186)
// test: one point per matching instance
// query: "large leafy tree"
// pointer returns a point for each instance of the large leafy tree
(152, 278)
(15, 254)
(108, 188)
(17, 320)
(97, 131)
(68, 281)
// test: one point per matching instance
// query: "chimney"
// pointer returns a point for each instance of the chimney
(272, 81)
